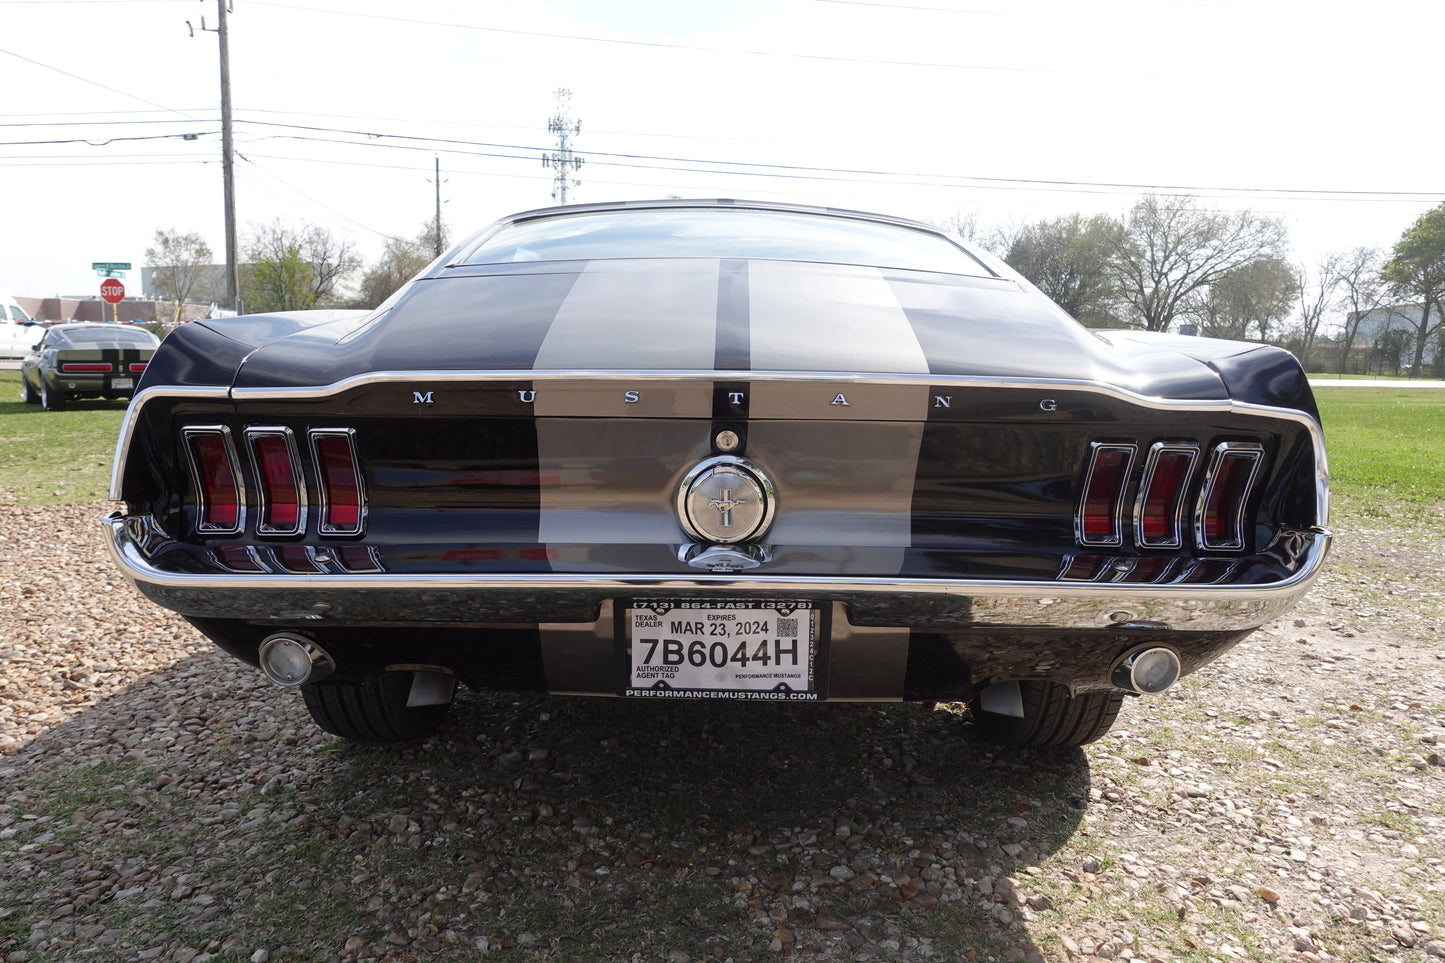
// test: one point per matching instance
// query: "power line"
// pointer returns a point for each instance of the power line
(93, 83)
(754, 169)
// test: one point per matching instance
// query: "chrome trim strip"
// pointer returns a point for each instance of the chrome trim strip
(1156, 451)
(1311, 424)
(127, 428)
(228, 443)
(1066, 604)
(323, 524)
(253, 434)
(1221, 451)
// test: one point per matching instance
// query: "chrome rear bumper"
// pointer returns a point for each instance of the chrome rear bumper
(579, 598)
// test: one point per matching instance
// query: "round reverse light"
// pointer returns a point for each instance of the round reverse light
(1148, 670)
(291, 660)
(725, 500)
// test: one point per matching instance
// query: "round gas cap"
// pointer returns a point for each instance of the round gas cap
(725, 500)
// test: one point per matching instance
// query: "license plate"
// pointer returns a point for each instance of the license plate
(126, 383)
(728, 649)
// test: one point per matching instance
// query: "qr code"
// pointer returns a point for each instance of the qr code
(787, 628)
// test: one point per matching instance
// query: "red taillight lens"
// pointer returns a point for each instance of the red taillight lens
(342, 499)
(218, 485)
(1099, 521)
(137, 367)
(1232, 471)
(76, 367)
(283, 499)
(1158, 513)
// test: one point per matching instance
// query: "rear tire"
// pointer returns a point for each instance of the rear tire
(27, 393)
(51, 400)
(372, 711)
(1052, 718)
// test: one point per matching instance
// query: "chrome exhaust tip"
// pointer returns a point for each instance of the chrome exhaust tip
(1146, 669)
(293, 660)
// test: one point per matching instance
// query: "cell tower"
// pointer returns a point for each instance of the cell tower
(560, 159)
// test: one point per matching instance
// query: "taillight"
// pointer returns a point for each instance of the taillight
(343, 511)
(1099, 520)
(76, 367)
(220, 505)
(278, 469)
(1159, 511)
(137, 367)
(1219, 519)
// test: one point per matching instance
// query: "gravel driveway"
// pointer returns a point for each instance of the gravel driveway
(159, 801)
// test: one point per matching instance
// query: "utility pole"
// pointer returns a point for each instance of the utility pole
(228, 173)
(437, 236)
(561, 159)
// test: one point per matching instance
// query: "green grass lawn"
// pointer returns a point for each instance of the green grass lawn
(1386, 449)
(55, 457)
(1387, 452)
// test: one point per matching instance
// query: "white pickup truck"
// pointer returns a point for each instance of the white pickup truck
(17, 331)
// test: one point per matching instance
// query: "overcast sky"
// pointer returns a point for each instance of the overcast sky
(1324, 113)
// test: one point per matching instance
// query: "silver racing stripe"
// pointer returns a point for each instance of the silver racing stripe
(611, 483)
(828, 317)
(844, 492)
(667, 308)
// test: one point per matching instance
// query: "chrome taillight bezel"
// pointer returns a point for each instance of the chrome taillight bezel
(1115, 537)
(325, 525)
(1252, 454)
(1179, 509)
(254, 436)
(203, 494)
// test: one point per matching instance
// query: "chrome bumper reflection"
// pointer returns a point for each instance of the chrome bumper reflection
(560, 598)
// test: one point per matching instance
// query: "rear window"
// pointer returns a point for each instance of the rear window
(131, 336)
(723, 233)
(17, 314)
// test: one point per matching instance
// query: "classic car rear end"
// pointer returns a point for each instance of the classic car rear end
(778, 454)
(81, 360)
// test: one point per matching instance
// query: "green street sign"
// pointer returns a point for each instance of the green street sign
(109, 273)
(110, 265)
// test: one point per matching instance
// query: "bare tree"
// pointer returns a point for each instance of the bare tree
(400, 260)
(1361, 293)
(1170, 249)
(180, 267)
(332, 260)
(1317, 291)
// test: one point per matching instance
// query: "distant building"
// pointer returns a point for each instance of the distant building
(1396, 325)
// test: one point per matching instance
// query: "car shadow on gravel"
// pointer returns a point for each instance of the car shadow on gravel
(220, 821)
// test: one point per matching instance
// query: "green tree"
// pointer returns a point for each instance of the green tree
(1416, 270)
(1171, 250)
(180, 267)
(291, 268)
(1068, 258)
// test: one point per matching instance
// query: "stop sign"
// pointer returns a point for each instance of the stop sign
(112, 290)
